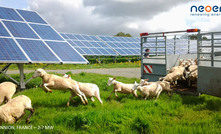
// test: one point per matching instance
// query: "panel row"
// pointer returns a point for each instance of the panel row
(37, 51)
(20, 15)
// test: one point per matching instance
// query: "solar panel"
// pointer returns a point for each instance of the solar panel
(20, 29)
(31, 39)
(125, 46)
(38, 51)
(9, 51)
(3, 31)
(89, 45)
(65, 52)
(9, 14)
(30, 16)
(46, 32)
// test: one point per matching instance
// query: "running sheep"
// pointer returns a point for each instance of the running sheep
(164, 84)
(121, 87)
(152, 90)
(7, 90)
(56, 82)
(12, 111)
(88, 89)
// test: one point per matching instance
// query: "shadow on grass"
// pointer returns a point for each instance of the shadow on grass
(202, 102)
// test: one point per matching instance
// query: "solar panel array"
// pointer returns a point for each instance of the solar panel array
(89, 45)
(124, 46)
(178, 46)
(25, 37)
(104, 45)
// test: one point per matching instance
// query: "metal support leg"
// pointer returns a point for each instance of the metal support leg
(22, 76)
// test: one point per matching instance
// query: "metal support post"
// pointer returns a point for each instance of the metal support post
(22, 76)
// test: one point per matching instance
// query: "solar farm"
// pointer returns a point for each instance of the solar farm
(26, 38)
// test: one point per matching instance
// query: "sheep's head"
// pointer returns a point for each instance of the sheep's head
(38, 73)
(143, 81)
(110, 81)
(67, 76)
(135, 86)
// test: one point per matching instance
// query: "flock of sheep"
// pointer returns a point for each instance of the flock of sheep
(14, 109)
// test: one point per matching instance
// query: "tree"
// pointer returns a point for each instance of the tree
(123, 34)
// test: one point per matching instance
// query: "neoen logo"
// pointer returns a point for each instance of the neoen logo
(205, 8)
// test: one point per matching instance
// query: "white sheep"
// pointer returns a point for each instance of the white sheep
(12, 111)
(88, 89)
(191, 74)
(152, 90)
(164, 84)
(56, 82)
(121, 87)
(7, 90)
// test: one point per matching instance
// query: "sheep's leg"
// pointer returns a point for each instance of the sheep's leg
(72, 95)
(92, 99)
(32, 112)
(145, 98)
(111, 94)
(97, 95)
(115, 92)
(48, 84)
(158, 94)
(135, 93)
(85, 98)
(79, 95)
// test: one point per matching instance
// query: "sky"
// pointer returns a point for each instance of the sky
(108, 17)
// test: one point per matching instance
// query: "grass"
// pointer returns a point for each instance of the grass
(126, 114)
(92, 65)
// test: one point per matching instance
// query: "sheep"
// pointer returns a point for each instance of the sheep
(121, 87)
(152, 90)
(164, 84)
(191, 74)
(12, 111)
(56, 82)
(88, 89)
(7, 90)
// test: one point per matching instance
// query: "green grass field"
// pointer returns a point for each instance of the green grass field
(126, 114)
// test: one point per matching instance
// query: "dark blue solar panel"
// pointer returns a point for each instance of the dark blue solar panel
(120, 51)
(9, 14)
(103, 51)
(37, 50)
(95, 51)
(9, 51)
(79, 44)
(71, 36)
(101, 44)
(103, 38)
(79, 37)
(87, 44)
(86, 37)
(80, 50)
(72, 43)
(111, 51)
(65, 52)
(94, 38)
(46, 32)
(3, 31)
(30, 16)
(95, 44)
(87, 51)
(20, 30)
(110, 38)
(127, 51)
(64, 36)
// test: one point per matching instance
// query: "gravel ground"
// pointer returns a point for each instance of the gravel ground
(125, 72)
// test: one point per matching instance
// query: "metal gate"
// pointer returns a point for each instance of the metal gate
(161, 59)
(209, 63)
(154, 66)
